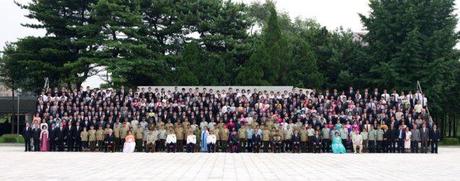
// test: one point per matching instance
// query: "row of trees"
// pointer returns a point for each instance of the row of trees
(219, 42)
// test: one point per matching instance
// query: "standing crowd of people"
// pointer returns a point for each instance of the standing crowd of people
(201, 120)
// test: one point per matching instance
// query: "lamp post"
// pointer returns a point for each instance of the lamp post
(17, 115)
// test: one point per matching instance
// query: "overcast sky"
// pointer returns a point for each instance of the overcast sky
(329, 13)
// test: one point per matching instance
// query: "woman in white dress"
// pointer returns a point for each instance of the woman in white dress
(130, 143)
(407, 140)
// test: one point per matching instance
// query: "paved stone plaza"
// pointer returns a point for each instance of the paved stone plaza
(16, 165)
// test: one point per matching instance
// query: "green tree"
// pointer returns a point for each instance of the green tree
(412, 41)
(69, 23)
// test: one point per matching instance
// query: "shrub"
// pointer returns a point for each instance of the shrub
(449, 141)
(11, 138)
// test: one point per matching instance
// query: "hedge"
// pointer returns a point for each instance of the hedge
(450, 141)
(11, 138)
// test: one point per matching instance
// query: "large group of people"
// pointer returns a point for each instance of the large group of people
(206, 120)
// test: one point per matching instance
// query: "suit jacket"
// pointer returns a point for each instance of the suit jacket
(52, 135)
(69, 133)
(36, 134)
(424, 134)
(295, 138)
(435, 136)
(109, 139)
(316, 140)
(76, 133)
(27, 133)
(415, 135)
(61, 134)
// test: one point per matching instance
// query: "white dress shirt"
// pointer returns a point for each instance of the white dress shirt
(171, 138)
(211, 139)
(191, 139)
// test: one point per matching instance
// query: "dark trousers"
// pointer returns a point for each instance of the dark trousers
(218, 145)
(310, 144)
(224, 145)
(92, 145)
(53, 144)
(116, 144)
(100, 145)
(325, 145)
(266, 143)
(345, 144)
(84, 145)
(171, 147)
(234, 148)
(371, 146)
(256, 146)
(287, 145)
(277, 147)
(70, 145)
(77, 145)
(414, 146)
(317, 147)
(379, 146)
(386, 143)
(109, 147)
(296, 147)
(160, 145)
(180, 146)
(365, 145)
(28, 147)
(303, 146)
(150, 147)
(211, 148)
(122, 143)
(392, 146)
(434, 147)
(36, 145)
(425, 146)
(139, 146)
(250, 145)
(190, 148)
(401, 146)
(242, 145)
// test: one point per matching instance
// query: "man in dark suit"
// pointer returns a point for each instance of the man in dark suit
(70, 136)
(36, 138)
(401, 137)
(316, 142)
(424, 138)
(109, 142)
(435, 137)
(27, 134)
(393, 137)
(76, 136)
(296, 141)
(52, 137)
(61, 137)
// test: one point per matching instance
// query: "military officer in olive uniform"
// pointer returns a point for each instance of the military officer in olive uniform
(92, 138)
(139, 135)
(100, 138)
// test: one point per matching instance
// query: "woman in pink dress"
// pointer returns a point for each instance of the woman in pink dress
(44, 146)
